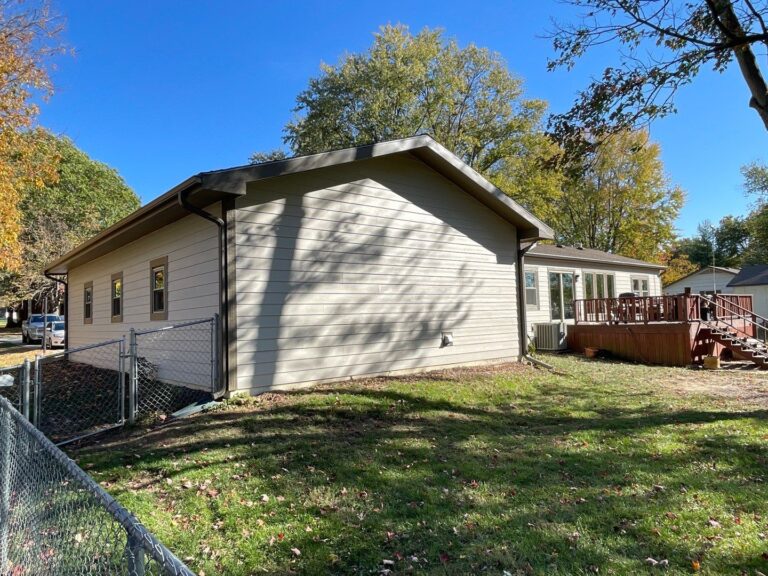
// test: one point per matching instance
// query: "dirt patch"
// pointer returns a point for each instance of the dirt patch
(736, 382)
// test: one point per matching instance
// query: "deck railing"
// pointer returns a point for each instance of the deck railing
(645, 309)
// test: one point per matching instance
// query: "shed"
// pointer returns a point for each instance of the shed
(705, 280)
(753, 280)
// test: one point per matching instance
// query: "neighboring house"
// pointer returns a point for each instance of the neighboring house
(753, 280)
(386, 258)
(556, 275)
(704, 281)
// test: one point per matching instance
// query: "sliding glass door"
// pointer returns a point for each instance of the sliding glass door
(561, 295)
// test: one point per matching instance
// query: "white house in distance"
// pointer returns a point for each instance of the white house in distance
(386, 258)
(556, 275)
(706, 280)
(753, 280)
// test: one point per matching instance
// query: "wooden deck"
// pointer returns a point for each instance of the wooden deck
(665, 330)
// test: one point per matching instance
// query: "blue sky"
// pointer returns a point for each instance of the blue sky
(162, 90)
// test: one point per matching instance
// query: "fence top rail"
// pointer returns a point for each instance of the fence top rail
(135, 530)
(81, 348)
(11, 368)
(175, 326)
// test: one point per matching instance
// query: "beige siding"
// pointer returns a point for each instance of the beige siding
(191, 245)
(702, 281)
(359, 269)
(542, 266)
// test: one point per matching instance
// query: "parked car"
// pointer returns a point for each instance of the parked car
(55, 333)
(33, 328)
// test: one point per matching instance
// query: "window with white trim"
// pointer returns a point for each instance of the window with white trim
(531, 289)
(599, 285)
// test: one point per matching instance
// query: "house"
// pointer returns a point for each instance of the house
(704, 281)
(752, 280)
(386, 258)
(556, 275)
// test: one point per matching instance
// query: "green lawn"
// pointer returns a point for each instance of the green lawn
(518, 471)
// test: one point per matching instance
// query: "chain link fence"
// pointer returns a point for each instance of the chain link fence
(80, 392)
(54, 519)
(174, 366)
(11, 384)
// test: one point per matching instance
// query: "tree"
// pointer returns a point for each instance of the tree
(756, 186)
(407, 84)
(665, 43)
(28, 33)
(619, 200)
(677, 265)
(85, 197)
(269, 156)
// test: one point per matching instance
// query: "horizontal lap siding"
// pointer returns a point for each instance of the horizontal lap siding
(358, 269)
(191, 245)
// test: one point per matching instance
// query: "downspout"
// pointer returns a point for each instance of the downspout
(66, 308)
(521, 309)
(223, 292)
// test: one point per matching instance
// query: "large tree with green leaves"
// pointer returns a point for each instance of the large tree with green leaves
(618, 199)
(83, 198)
(756, 187)
(663, 44)
(407, 84)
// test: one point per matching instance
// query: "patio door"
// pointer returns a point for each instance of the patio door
(561, 295)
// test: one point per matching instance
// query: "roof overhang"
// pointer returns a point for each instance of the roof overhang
(209, 187)
(646, 265)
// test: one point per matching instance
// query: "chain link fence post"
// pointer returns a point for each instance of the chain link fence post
(38, 393)
(133, 379)
(5, 485)
(121, 387)
(25, 388)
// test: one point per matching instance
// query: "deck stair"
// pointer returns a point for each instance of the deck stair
(749, 348)
(739, 330)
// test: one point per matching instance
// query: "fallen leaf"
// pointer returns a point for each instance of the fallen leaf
(695, 565)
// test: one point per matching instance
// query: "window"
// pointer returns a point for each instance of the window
(599, 285)
(116, 297)
(531, 290)
(88, 303)
(640, 286)
(561, 295)
(158, 287)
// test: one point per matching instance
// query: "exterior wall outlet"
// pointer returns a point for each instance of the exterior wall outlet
(446, 339)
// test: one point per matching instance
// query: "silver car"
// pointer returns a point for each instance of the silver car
(54, 334)
(32, 329)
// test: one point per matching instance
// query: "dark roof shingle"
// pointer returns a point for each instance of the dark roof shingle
(589, 255)
(754, 275)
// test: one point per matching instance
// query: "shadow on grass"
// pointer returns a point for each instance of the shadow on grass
(518, 486)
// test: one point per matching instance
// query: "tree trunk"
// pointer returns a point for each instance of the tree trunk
(745, 56)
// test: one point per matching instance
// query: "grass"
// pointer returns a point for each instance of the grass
(591, 470)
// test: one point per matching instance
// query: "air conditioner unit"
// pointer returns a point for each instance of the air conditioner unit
(550, 336)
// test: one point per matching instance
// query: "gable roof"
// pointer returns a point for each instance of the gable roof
(588, 255)
(206, 188)
(756, 275)
(708, 270)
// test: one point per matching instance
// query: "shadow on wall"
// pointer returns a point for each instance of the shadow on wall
(355, 271)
